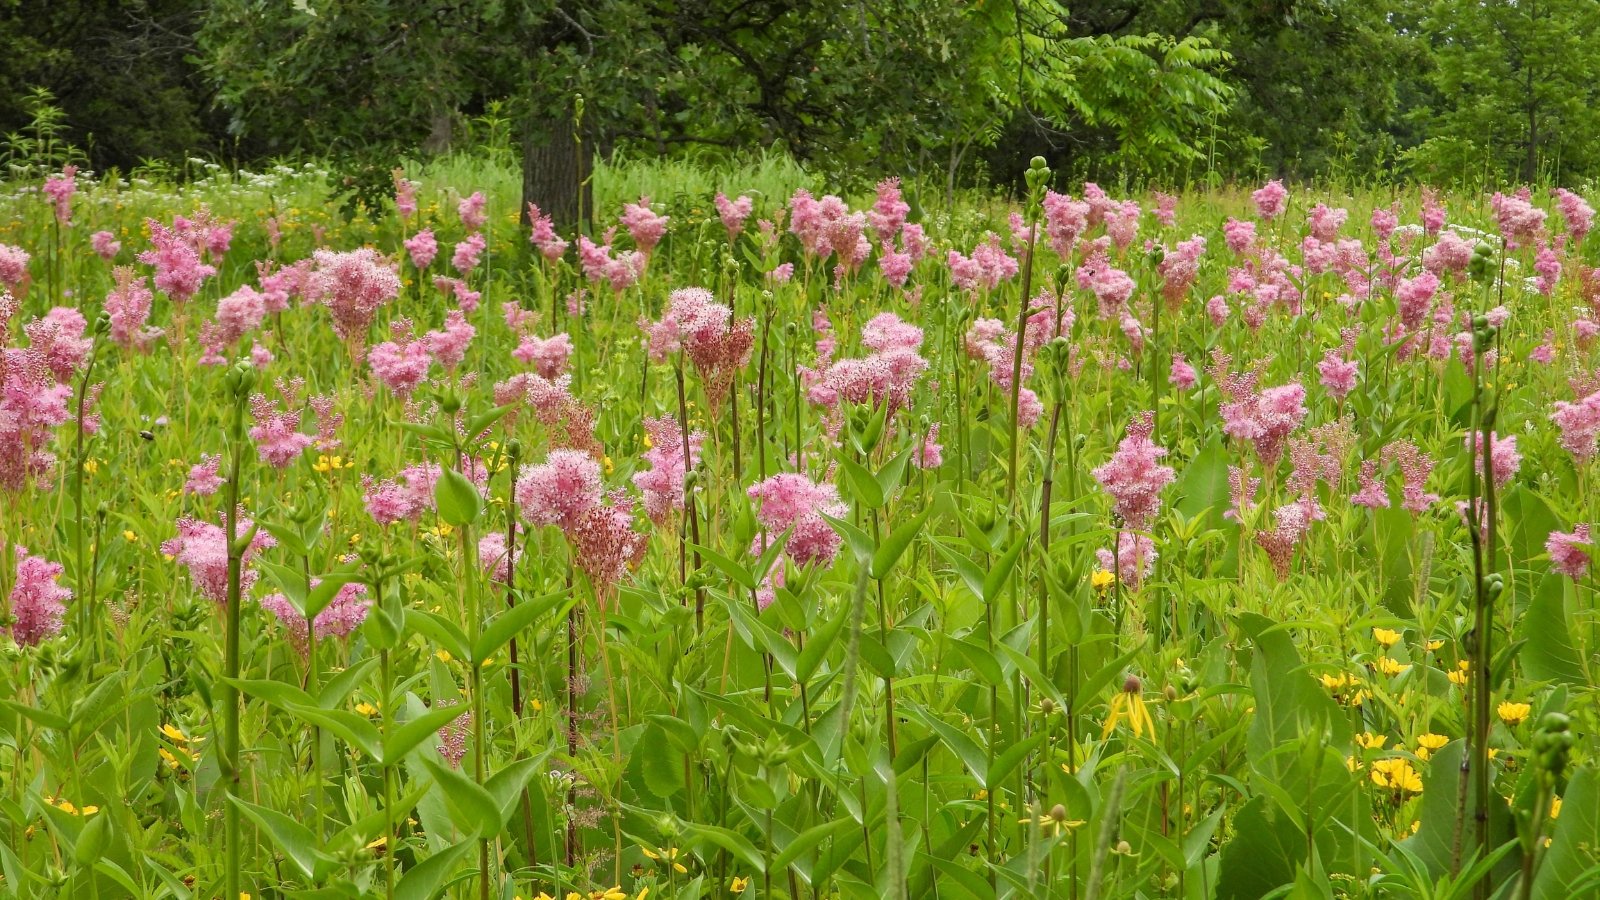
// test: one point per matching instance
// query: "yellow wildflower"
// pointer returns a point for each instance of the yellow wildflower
(1102, 579)
(1429, 744)
(1129, 704)
(1513, 714)
(1386, 637)
(1370, 741)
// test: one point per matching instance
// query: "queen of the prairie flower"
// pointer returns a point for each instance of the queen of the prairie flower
(37, 601)
(202, 548)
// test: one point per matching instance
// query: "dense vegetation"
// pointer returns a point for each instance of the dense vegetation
(1123, 91)
(784, 545)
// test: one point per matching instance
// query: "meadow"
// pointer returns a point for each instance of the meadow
(767, 542)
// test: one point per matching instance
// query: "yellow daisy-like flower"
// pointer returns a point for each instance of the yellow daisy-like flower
(1555, 807)
(1398, 776)
(738, 884)
(1129, 704)
(1434, 645)
(366, 709)
(1369, 741)
(444, 655)
(1429, 744)
(1460, 675)
(1513, 714)
(130, 537)
(1102, 580)
(1386, 637)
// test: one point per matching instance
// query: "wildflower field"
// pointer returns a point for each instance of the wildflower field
(764, 542)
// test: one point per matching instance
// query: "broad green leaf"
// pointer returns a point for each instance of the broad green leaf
(427, 879)
(893, 546)
(507, 625)
(458, 500)
(478, 811)
(295, 840)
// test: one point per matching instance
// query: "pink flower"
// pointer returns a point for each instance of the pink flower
(1183, 375)
(276, 433)
(340, 618)
(565, 491)
(179, 268)
(13, 266)
(1240, 236)
(733, 213)
(1271, 200)
(1166, 209)
(449, 345)
(353, 285)
(1179, 268)
(1547, 265)
(105, 245)
(889, 211)
(204, 480)
(403, 498)
(60, 188)
(405, 195)
(887, 331)
(471, 211)
(57, 340)
(705, 330)
(423, 248)
(1132, 558)
(1325, 223)
(1503, 450)
(896, 267)
(1580, 426)
(1579, 215)
(495, 560)
(402, 363)
(548, 356)
(1567, 553)
(644, 225)
(1449, 254)
(37, 602)
(781, 274)
(467, 252)
(662, 483)
(790, 500)
(1338, 370)
(1264, 417)
(1065, 219)
(543, 234)
(1520, 221)
(32, 404)
(202, 548)
(1372, 492)
(1134, 477)
(1414, 296)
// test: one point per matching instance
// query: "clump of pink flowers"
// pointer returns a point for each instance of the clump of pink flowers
(402, 362)
(60, 188)
(1134, 476)
(180, 270)
(202, 548)
(566, 491)
(662, 484)
(1505, 458)
(340, 618)
(543, 234)
(276, 433)
(709, 336)
(422, 247)
(353, 285)
(1580, 426)
(548, 356)
(1271, 199)
(1568, 553)
(644, 225)
(37, 602)
(792, 502)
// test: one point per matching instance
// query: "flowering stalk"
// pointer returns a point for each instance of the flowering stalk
(1038, 175)
(240, 381)
(689, 505)
(86, 599)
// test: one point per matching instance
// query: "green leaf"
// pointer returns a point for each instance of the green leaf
(1575, 846)
(861, 546)
(447, 634)
(809, 838)
(994, 583)
(727, 839)
(892, 473)
(1550, 653)
(457, 499)
(283, 696)
(479, 813)
(505, 626)
(728, 567)
(92, 840)
(328, 587)
(660, 763)
(894, 546)
(506, 785)
(428, 879)
(863, 486)
(408, 736)
(480, 422)
(340, 686)
(965, 748)
(295, 840)
(353, 728)
(37, 716)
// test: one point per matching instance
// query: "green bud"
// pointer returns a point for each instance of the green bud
(1037, 164)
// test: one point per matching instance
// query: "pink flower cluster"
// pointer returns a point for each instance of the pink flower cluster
(543, 235)
(1134, 476)
(662, 484)
(733, 213)
(988, 265)
(340, 618)
(60, 188)
(202, 548)
(705, 330)
(37, 602)
(644, 225)
(180, 270)
(403, 498)
(1505, 459)
(548, 356)
(353, 285)
(792, 502)
(887, 375)
(1568, 555)
(276, 433)
(1580, 426)
(1271, 200)
(621, 271)
(566, 491)
(13, 267)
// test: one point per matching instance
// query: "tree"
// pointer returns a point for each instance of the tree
(1518, 81)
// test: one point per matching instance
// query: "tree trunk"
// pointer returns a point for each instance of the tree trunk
(553, 164)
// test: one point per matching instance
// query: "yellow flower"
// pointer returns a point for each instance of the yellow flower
(1102, 579)
(1555, 807)
(379, 844)
(1429, 744)
(739, 884)
(1386, 637)
(1129, 704)
(91, 466)
(1459, 676)
(444, 655)
(130, 537)
(1513, 714)
(608, 465)
(1397, 775)
(1391, 667)
(1371, 741)
(536, 704)
(174, 733)
(1434, 645)
(366, 709)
